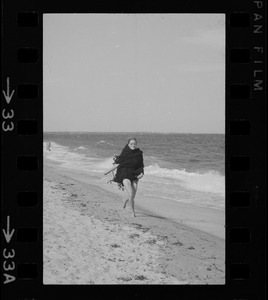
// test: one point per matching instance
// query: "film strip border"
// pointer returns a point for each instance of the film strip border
(22, 132)
(245, 203)
(21, 155)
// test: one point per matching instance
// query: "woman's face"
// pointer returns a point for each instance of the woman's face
(132, 144)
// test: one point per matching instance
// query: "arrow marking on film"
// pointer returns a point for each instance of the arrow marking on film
(7, 234)
(6, 94)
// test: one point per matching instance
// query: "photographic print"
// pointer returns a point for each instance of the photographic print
(134, 149)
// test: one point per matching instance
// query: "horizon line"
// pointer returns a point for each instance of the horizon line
(162, 132)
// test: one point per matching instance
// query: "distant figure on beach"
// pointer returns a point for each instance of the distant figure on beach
(49, 146)
(129, 170)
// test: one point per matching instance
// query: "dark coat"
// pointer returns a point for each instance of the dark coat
(130, 165)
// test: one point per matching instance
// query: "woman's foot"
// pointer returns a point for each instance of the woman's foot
(125, 203)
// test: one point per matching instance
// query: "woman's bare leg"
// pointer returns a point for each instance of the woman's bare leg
(131, 194)
(125, 203)
(127, 188)
(134, 185)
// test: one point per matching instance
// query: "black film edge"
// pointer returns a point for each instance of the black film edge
(22, 150)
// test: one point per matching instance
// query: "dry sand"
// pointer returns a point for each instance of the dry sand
(90, 239)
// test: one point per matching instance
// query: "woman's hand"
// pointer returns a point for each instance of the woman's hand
(115, 157)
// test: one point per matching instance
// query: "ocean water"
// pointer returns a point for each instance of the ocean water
(188, 168)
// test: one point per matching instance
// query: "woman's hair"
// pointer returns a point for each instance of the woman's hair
(131, 139)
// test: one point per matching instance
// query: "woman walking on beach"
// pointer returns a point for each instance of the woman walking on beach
(130, 170)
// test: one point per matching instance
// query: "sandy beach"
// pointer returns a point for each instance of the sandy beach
(90, 239)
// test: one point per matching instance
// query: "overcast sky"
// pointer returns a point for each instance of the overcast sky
(134, 72)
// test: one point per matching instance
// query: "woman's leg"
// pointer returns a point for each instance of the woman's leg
(127, 188)
(131, 194)
(125, 203)
(125, 200)
(134, 185)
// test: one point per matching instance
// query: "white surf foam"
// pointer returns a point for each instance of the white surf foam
(207, 182)
(80, 148)
(105, 142)
(68, 158)
(211, 181)
(103, 165)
